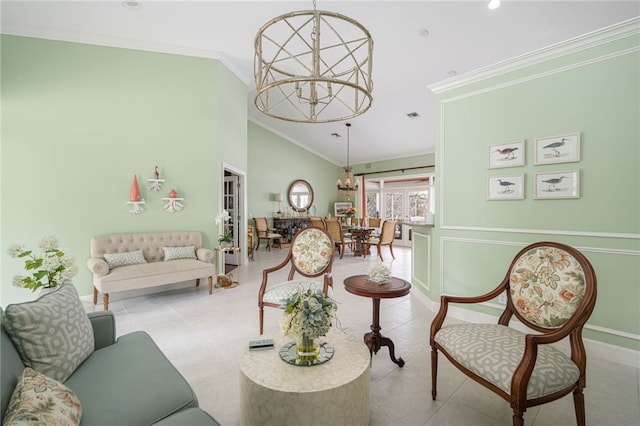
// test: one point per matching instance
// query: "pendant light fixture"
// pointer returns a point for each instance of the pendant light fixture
(348, 186)
(313, 66)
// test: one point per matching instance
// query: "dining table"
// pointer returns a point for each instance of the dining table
(360, 235)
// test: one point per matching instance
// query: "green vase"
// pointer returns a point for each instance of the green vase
(307, 349)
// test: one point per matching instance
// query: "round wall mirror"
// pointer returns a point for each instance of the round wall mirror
(300, 195)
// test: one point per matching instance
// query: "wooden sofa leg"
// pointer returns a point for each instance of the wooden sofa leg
(105, 301)
(210, 285)
(197, 282)
(95, 296)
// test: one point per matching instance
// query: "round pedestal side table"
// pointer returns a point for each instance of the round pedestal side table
(361, 286)
(273, 392)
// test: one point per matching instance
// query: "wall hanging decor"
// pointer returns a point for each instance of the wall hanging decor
(155, 184)
(134, 197)
(510, 154)
(509, 187)
(174, 202)
(558, 149)
(557, 184)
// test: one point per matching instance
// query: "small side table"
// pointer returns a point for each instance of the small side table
(397, 287)
(220, 251)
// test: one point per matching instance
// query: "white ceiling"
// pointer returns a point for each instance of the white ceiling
(463, 36)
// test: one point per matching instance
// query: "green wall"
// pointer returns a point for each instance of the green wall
(274, 163)
(79, 121)
(590, 86)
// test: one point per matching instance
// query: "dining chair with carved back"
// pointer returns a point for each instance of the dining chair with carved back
(334, 228)
(263, 232)
(386, 238)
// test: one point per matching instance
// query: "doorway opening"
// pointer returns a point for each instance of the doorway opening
(234, 201)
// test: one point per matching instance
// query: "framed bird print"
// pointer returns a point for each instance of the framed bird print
(510, 154)
(558, 149)
(505, 187)
(553, 185)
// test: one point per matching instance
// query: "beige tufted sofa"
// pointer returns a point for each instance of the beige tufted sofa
(156, 271)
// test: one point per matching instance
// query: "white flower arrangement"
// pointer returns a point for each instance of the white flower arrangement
(223, 218)
(307, 313)
(50, 269)
(379, 273)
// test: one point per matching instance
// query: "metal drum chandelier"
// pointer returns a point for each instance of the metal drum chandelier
(348, 186)
(313, 66)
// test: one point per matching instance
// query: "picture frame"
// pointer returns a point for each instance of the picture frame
(506, 187)
(558, 149)
(557, 185)
(340, 208)
(508, 154)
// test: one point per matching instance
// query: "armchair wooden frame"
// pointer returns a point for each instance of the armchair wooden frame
(533, 343)
(319, 263)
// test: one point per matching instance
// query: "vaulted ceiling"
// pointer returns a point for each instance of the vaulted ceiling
(416, 43)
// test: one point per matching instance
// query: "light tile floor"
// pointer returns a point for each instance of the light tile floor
(204, 336)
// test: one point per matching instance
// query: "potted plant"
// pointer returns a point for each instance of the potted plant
(307, 317)
(226, 238)
(48, 270)
(350, 212)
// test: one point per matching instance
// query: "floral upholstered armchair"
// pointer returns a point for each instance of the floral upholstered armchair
(310, 255)
(551, 289)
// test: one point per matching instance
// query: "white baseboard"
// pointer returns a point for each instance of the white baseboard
(594, 348)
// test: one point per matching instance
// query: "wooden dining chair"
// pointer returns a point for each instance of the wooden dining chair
(334, 228)
(317, 222)
(310, 255)
(550, 289)
(386, 238)
(374, 222)
(264, 233)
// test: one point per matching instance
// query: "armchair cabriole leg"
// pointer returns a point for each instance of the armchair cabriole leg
(95, 296)
(261, 319)
(578, 402)
(197, 282)
(210, 284)
(105, 301)
(434, 373)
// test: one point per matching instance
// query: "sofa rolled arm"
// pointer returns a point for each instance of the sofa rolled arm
(104, 328)
(204, 254)
(98, 266)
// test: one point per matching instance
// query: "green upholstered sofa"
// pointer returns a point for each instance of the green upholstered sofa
(125, 381)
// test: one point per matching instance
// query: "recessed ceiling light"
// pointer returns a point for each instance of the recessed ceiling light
(423, 33)
(452, 73)
(413, 115)
(335, 135)
(131, 4)
(494, 4)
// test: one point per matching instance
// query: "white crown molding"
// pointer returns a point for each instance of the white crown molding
(97, 40)
(608, 34)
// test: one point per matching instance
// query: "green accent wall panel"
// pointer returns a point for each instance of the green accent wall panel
(594, 90)
(79, 121)
(604, 115)
(275, 163)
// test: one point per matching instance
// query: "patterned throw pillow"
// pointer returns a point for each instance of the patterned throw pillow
(40, 400)
(173, 253)
(52, 334)
(115, 260)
